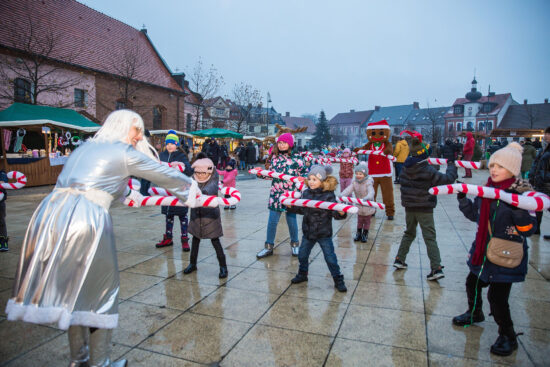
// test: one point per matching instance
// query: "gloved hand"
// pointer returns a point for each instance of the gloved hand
(460, 195)
(132, 196)
(192, 195)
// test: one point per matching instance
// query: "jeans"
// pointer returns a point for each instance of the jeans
(242, 164)
(426, 221)
(328, 252)
(272, 222)
(398, 167)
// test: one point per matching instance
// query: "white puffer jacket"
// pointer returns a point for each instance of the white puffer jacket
(363, 190)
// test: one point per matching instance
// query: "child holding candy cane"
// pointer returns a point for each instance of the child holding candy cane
(346, 171)
(416, 179)
(206, 222)
(173, 154)
(363, 188)
(317, 224)
(229, 178)
(506, 222)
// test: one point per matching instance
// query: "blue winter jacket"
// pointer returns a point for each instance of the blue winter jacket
(507, 222)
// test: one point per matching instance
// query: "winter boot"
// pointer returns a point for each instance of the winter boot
(295, 247)
(167, 241)
(78, 346)
(506, 342)
(223, 268)
(3, 244)
(185, 243)
(299, 278)
(467, 318)
(364, 235)
(266, 251)
(339, 283)
(190, 268)
(358, 235)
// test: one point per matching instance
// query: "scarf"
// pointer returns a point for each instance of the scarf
(483, 223)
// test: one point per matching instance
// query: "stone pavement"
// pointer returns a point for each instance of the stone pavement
(256, 317)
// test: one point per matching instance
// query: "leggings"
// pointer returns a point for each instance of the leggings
(170, 224)
(217, 246)
(497, 295)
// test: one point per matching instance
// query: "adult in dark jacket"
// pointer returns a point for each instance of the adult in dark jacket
(416, 179)
(206, 223)
(171, 155)
(527, 158)
(506, 222)
(241, 154)
(317, 224)
(250, 155)
(212, 151)
(449, 150)
(468, 152)
(539, 175)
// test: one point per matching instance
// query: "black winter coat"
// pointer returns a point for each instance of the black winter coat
(250, 154)
(449, 150)
(242, 153)
(539, 174)
(416, 178)
(177, 156)
(507, 222)
(317, 223)
(206, 222)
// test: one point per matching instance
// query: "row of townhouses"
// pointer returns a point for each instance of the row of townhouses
(491, 115)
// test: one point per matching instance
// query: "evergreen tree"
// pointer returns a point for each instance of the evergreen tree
(322, 133)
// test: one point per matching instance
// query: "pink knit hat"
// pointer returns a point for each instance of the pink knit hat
(287, 138)
(203, 165)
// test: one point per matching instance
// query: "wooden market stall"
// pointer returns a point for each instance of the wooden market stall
(218, 133)
(36, 140)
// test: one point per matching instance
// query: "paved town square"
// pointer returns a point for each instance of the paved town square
(256, 317)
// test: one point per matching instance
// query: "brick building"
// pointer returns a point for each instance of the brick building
(100, 63)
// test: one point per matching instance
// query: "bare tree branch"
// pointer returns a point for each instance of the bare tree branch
(206, 82)
(246, 98)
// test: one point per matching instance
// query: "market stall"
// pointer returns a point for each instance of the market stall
(157, 138)
(37, 140)
(218, 133)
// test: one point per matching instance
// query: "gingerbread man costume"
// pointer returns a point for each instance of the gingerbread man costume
(380, 167)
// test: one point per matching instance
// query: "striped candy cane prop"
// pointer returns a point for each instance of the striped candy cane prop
(179, 167)
(159, 191)
(344, 160)
(355, 201)
(286, 199)
(272, 174)
(210, 201)
(463, 164)
(531, 200)
(20, 181)
(377, 152)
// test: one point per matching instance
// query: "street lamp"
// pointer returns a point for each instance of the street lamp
(267, 113)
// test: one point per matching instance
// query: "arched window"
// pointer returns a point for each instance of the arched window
(158, 112)
(481, 126)
(22, 91)
(470, 126)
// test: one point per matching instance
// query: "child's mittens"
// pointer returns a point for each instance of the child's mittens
(460, 196)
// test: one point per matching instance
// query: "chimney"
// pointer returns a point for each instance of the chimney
(416, 105)
(546, 100)
(491, 94)
(351, 110)
(377, 108)
(287, 114)
(180, 79)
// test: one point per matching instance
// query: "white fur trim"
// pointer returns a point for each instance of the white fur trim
(63, 317)
(382, 175)
(96, 196)
(378, 127)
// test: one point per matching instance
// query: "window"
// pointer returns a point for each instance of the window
(458, 126)
(489, 125)
(470, 126)
(487, 107)
(458, 110)
(396, 130)
(22, 91)
(481, 126)
(220, 112)
(120, 104)
(80, 98)
(157, 117)
(251, 128)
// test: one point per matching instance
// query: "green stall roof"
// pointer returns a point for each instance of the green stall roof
(217, 133)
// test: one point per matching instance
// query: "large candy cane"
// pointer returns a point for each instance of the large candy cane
(531, 200)
(355, 201)
(344, 160)
(286, 199)
(20, 181)
(180, 167)
(210, 201)
(272, 174)
(377, 152)
(463, 164)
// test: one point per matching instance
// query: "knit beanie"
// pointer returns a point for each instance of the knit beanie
(203, 165)
(172, 138)
(287, 138)
(508, 157)
(321, 172)
(418, 148)
(361, 167)
(347, 151)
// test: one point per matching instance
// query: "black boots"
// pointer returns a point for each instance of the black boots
(506, 342)
(223, 267)
(339, 283)
(299, 278)
(361, 235)
(190, 268)
(467, 318)
(364, 235)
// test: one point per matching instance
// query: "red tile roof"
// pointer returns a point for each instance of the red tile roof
(499, 99)
(92, 39)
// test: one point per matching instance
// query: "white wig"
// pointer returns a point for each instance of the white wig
(117, 127)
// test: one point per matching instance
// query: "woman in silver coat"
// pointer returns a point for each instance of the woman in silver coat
(68, 271)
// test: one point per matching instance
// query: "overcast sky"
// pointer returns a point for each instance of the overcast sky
(342, 55)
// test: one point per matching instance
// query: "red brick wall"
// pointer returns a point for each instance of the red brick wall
(144, 100)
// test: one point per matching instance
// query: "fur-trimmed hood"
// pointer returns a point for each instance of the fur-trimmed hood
(329, 184)
(521, 186)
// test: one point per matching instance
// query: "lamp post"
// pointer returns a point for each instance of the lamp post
(267, 113)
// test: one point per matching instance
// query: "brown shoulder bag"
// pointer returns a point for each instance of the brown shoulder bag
(505, 253)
